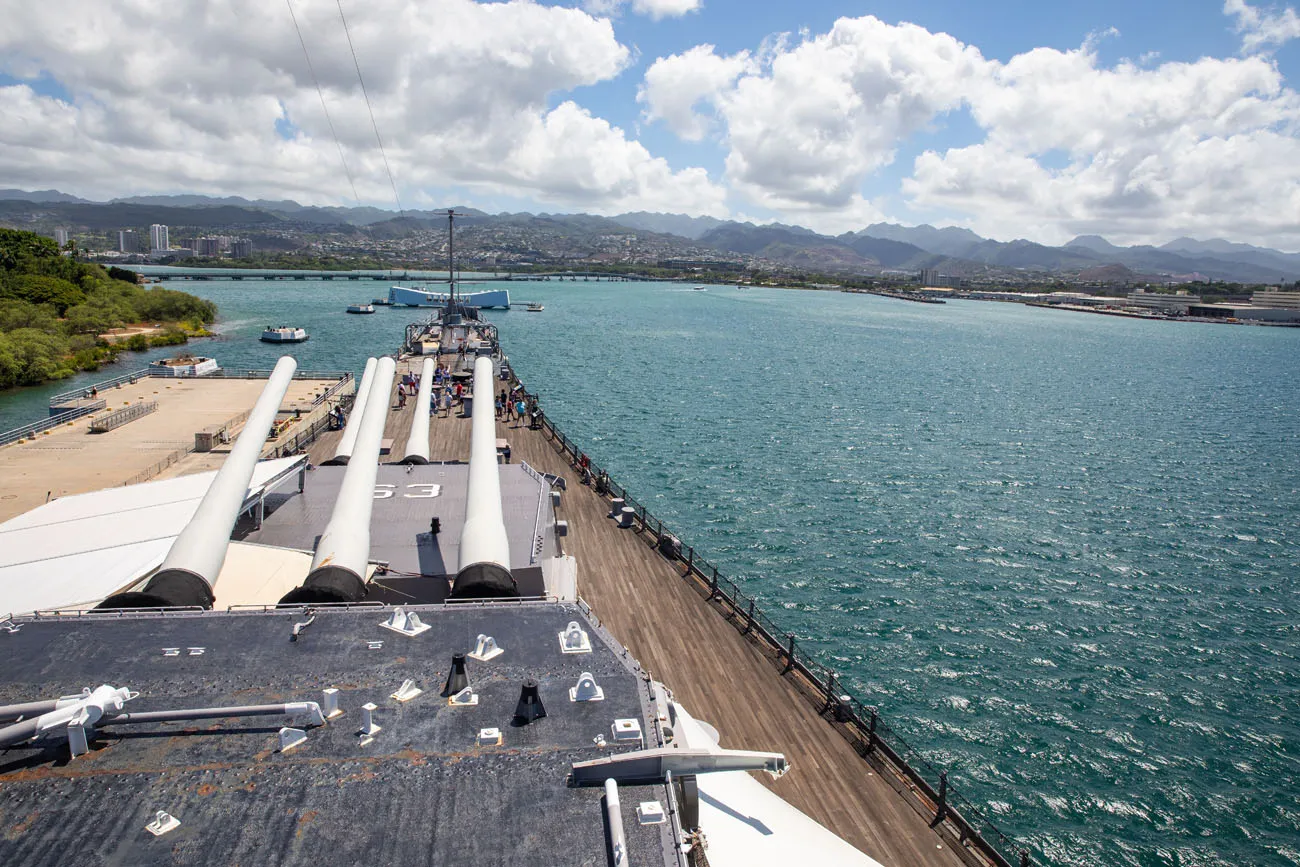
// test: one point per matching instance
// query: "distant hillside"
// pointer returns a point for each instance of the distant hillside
(801, 249)
(669, 224)
(888, 254)
(38, 196)
(952, 250)
(949, 241)
(97, 217)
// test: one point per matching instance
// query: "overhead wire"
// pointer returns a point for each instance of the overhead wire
(324, 108)
(374, 125)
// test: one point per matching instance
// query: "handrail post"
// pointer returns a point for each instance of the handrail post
(941, 809)
(789, 654)
(713, 585)
(749, 620)
(871, 731)
(1024, 858)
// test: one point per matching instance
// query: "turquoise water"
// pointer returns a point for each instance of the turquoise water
(1058, 550)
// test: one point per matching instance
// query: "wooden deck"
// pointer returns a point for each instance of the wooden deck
(717, 673)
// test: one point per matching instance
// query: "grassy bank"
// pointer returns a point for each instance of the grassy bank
(53, 310)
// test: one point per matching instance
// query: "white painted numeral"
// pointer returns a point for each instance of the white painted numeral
(429, 491)
(383, 492)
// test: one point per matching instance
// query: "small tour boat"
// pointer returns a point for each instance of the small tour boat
(284, 334)
(534, 307)
(183, 365)
(361, 308)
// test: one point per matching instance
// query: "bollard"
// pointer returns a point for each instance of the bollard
(625, 516)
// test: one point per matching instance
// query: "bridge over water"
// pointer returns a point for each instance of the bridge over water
(176, 273)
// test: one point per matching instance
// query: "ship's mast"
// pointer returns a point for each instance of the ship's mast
(451, 254)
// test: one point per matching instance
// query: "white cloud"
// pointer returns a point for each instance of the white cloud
(1136, 151)
(186, 96)
(1262, 29)
(1182, 148)
(675, 86)
(805, 124)
(656, 9)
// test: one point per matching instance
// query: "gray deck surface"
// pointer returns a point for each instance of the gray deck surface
(399, 523)
(422, 793)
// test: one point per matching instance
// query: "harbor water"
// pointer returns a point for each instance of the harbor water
(1058, 551)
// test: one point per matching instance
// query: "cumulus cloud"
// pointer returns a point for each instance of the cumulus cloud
(675, 86)
(1137, 151)
(1183, 148)
(1262, 29)
(656, 9)
(195, 96)
(806, 123)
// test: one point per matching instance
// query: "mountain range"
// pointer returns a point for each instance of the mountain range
(951, 251)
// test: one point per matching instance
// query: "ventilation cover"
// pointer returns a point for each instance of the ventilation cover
(457, 680)
(530, 704)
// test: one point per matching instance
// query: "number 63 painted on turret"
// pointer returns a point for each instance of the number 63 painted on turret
(422, 491)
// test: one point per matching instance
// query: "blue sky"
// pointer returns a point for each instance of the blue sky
(1139, 121)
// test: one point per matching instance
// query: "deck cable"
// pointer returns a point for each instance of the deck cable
(374, 125)
(321, 94)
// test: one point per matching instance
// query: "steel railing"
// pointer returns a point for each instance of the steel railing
(30, 430)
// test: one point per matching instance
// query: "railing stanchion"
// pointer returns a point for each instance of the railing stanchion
(713, 584)
(749, 619)
(789, 653)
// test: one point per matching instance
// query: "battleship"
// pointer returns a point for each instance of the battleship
(428, 630)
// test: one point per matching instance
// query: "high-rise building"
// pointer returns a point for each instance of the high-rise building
(241, 248)
(61, 237)
(128, 241)
(207, 246)
(158, 237)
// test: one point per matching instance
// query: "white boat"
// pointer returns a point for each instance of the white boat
(284, 334)
(409, 296)
(535, 308)
(361, 308)
(183, 365)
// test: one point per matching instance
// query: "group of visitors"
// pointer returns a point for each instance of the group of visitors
(517, 406)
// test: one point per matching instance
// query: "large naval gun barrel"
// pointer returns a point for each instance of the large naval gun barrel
(190, 570)
(347, 442)
(484, 547)
(338, 569)
(417, 444)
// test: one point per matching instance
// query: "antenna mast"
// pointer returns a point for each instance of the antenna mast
(452, 214)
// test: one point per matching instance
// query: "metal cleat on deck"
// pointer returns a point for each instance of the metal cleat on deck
(574, 639)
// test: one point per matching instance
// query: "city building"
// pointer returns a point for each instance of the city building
(1276, 297)
(61, 237)
(128, 241)
(207, 246)
(241, 248)
(1163, 302)
(158, 238)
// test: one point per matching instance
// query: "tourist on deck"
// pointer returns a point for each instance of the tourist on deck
(498, 406)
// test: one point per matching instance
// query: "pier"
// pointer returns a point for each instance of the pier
(64, 456)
